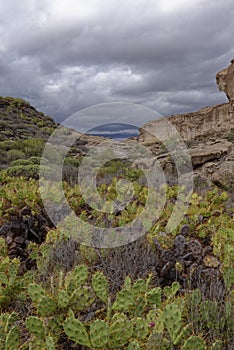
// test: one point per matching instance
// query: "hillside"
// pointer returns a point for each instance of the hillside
(19, 120)
(24, 132)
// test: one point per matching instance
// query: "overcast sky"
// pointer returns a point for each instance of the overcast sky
(65, 55)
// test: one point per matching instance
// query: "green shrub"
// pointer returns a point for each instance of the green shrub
(28, 171)
(75, 162)
(14, 154)
(19, 162)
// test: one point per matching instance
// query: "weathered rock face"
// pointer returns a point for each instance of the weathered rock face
(207, 123)
(204, 132)
(225, 81)
(210, 151)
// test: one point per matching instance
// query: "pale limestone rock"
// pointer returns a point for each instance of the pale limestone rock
(208, 122)
(225, 81)
(204, 133)
(209, 151)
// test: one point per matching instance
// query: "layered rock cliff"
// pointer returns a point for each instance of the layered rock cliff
(208, 134)
(207, 123)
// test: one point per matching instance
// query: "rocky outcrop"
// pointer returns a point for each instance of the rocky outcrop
(225, 81)
(207, 123)
(204, 132)
(210, 151)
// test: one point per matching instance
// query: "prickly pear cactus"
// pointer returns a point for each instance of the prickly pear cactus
(80, 275)
(13, 339)
(100, 286)
(154, 297)
(139, 287)
(63, 298)
(127, 283)
(76, 331)
(124, 301)
(184, 334)
(171, 291)
(172, 320)
(50, 344)
(99, 333)
(133, 346)
(35, 326)
(120, 333)
(140, 328)
(194, 343)
(9, 333)
(157, 342)
(138, 309)
(46, 306)
(82, 298)
(118, 317)
(36, 292)
(75, 279)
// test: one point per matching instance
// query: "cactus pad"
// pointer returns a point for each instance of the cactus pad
(36, 292)
(140, 328)
(99, 333)
(124, 300)
(100, 286)
(194, 343)
(76, 331)
(35, 326)
(120, 333)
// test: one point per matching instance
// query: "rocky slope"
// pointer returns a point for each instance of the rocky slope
(19, 120)
(24, 131)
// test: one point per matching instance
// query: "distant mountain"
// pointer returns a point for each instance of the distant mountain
(116, 136)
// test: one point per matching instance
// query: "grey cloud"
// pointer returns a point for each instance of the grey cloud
(133, 52)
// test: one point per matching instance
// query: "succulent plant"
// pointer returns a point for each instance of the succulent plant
(194, 343)
(35, 325)
(12, 339)
(99, 333)
(82, 297)
(36, 292)
(184, 334)
(124, 301)
(157, 341)
(120, 332)
(154, 297)
(46, 306)
(63, 298)
(140, 328)
(76, 331)
(100, 286)
(139, 287)
(133, 345)
(172, 320)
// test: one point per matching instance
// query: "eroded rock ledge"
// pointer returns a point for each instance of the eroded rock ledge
(205, 133)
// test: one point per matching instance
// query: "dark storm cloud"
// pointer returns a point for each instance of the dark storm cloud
(67, 55)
